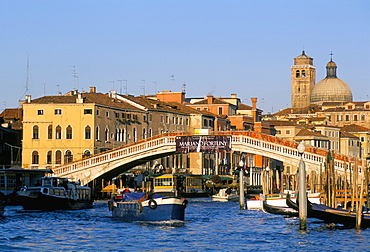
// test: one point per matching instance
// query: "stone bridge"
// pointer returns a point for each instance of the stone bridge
(127, 157)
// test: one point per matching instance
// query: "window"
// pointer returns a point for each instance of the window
(87, 132)
(57, 112)
(205, 123)
(50, 131)
(68, 157)
(69, 132)
(35, 157)
(107, 114)
(144, 133)
(287, 132)
(347, 118)
(35, 132)
(58, 132)
(355, 117)
(303, 73)
(134, 133)
(86, 154)
(220, 110)
(106, 135)
(40, 112)
(97, 112)
(167, 119)
(297, 74)
(48, 157)
(97, 134)
(116, 114)
(58, 157)
(278, 132)
(339, 118)
(88, 111)
(363, 117)
(161, 118)
(150, 133)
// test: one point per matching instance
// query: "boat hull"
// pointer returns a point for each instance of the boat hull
(164, 209)
(39, 201)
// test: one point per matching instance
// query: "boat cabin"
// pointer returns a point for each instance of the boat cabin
(178, 184)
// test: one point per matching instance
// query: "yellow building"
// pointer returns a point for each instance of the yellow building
(61, 129)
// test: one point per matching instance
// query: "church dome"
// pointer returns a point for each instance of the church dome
(331, 89)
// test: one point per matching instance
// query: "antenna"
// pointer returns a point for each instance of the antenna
(143, 87)
(28, 72)
(75, 77)
(120, 86)
(173, 82)
(184, 87)
(155, 87)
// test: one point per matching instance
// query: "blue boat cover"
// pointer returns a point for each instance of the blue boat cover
(137, 196)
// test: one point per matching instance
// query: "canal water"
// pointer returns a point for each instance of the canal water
(209, 226)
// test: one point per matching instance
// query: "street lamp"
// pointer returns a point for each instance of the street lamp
(302, 189)
(241, 185)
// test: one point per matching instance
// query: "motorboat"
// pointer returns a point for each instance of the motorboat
(222, 195)
(55, 193)
(147, 207)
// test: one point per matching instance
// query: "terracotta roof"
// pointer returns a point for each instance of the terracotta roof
(345, 134)
(305, 132)
(97, 98)
(355, 128)
(242, 106)
(11, 113)
(213, 101)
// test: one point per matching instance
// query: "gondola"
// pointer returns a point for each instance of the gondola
(337, 215)
(287, 211)
(290, 203)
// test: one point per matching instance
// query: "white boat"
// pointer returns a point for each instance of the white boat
(278, 199)
(223, 196)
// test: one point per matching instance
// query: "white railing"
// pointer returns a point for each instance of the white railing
(240, 140)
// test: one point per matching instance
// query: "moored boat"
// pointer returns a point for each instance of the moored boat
(337, 215)
(224, 195)
(278, 199)
(286, 211)
(142, 207)
(55, 193)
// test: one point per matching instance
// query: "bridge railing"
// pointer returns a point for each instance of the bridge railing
(253, 139)
(114, 154)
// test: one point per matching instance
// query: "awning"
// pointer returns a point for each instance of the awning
(109, 188)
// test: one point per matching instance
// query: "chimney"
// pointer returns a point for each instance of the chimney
(79, 98)
(209, 99)
(28, 98)
(233, 96)
(92, 89)
(254, 109)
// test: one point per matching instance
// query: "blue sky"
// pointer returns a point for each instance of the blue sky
(214, 47)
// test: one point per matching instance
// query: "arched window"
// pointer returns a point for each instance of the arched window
(116, 135)
(106, 135)
(35, 132)
(86, 154)
(97, 134)
(69, 132)
(58, 157)
(35, 157)
(303, 73)
(123, 136)
(58, 132)
(150, 132)
(134, 133)
(50, 131)
(68, 157)
(297, 74)
(48, 157)
(144, 133)
(87, 132)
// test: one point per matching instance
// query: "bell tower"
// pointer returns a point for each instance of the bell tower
(303, 80)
